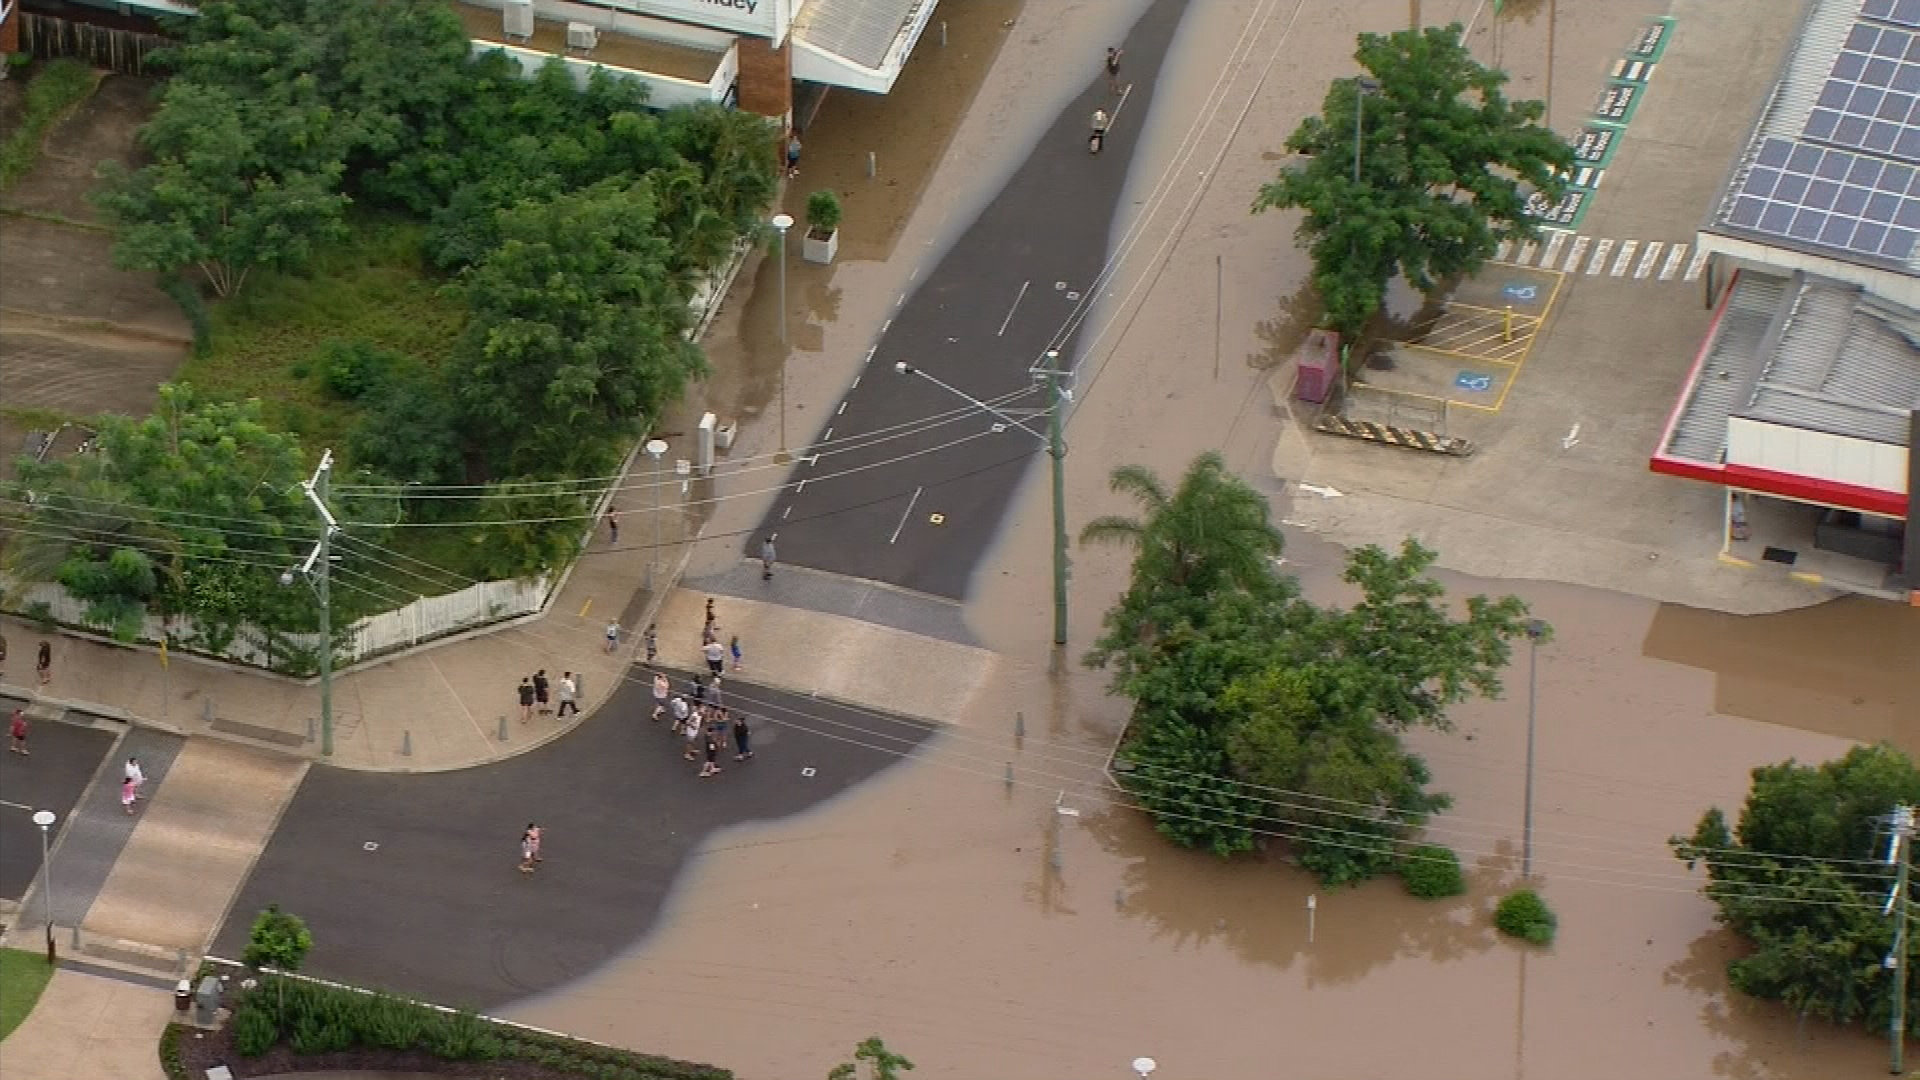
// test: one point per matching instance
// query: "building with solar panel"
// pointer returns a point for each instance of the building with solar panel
(1804, 402)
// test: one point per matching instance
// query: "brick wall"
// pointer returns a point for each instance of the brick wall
(766, 78)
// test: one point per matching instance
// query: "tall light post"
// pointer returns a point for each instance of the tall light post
(1363, 88)
(1055, 442)
(45, 819)
(1536, 632)
(316, 570)
(781, 223)
(656, 449)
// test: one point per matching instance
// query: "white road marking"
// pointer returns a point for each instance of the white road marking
(842, 410)
(1627, 248)
(1501, 253)
(1648, 258)
(14, 805)
(1016, 307)
(905, 516)
(856, 378)
(871, 349)
(784, 513)
(1554, 242)
(1600, 252)
(883, 332)
(1693, 267)
(1674, 254)
(828, 437)
(1527, 252)
(800, 488)
(1574, 255)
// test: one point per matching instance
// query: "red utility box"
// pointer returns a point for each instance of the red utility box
(1317, 362)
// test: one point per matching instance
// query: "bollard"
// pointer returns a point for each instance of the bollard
(503, 729)
(310, 723)
(1506, 332)
(206, 711)
(943, 33)
(873, 164)
(406, 743)
(1009, 776)
(1019, 725)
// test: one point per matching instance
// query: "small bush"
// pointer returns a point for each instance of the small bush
(1432, 872)
(254, 1031)
(1524, 915)
(353, 368)
(278, 940)
(823, 210)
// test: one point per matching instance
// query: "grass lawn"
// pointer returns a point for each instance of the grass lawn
(372, 288)
(23, 975)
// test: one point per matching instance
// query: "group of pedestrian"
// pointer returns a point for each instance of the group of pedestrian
(704, 723)
(537, 695)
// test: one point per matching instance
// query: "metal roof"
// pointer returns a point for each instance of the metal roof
(861, 31)
(1803, 352)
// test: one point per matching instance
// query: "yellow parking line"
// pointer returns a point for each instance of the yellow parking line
(1552, 298)
(586, 607)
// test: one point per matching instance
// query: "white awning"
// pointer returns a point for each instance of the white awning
(858, 44)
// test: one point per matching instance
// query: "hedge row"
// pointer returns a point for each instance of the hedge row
(315, 1018)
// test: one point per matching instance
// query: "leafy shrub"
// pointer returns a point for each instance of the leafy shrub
(1431, 872)
(393, 1024)
(254, 1031)
(823, 210)
(353, 368)
(170, 1060)
(321, 1034)
(278, 940)
(1524, 915)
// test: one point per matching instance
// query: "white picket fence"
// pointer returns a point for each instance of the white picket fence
(423, 620)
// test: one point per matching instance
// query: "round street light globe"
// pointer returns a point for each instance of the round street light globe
(43, 818)
(1145, 1066)
(656, 447)
(783, 222)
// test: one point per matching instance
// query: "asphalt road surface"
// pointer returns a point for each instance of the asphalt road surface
(436, 906)
(982, 319)
(53, 776)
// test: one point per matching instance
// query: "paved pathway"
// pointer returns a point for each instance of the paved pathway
(90, 1027)
(918, 507)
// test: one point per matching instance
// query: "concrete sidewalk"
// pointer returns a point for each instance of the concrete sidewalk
(88, 1027)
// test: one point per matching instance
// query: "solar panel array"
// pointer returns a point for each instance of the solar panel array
(1851, 182)
(1834, 198)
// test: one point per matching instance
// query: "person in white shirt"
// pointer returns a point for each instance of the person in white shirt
(661, 688)
(716, 655)
(136, 776)
(569, 693)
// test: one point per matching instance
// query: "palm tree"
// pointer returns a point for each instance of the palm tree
(1210, 533)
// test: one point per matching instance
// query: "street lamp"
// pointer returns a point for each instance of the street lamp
(321, 557)
(1536, 630)
(1055, 442)
(781, 223)
(45, 819)
(1363, 88)
(656, 449)
(1144, 1066)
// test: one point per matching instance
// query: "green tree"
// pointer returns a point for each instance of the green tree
(1522, 914)
(1797, 880)
(577, 333)
(881, 1063)
(236, 183)
(278, 940)
(1445, 166)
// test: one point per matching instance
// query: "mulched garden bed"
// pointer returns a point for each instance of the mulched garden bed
(201, 1050)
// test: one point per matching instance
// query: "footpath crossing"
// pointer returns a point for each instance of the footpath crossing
(1572, 253)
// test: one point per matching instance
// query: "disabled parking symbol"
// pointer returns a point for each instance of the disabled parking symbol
(1474, 381)
(1519, 292)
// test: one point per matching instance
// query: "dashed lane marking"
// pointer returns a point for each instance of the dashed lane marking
(1627, 248)
(1647, 259)
(1693, 267)
(1575, 254)
(1600, 252)
(1675, 255)
(1555, 240)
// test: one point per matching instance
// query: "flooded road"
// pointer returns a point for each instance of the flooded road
(982, 932)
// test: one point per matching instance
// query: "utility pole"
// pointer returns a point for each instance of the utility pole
(1057, 397)
(1899, 855)
(1056, 444)
(316, 570)
(1535, 631)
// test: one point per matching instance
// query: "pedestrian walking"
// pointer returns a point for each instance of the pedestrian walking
(766, 559)
(17, 732)
(793, 153)
(569, 695)
(716, 655)
(690, 729)
(3, 655)
(613, 636)
(541, 689)
(128, 793)
(681, 713)
(45, 662)
(661, 688)
(526, 700)
(613, 523)
(532, 836)
(742, 738)
(711, 766)
(136, 776)
(1114, 53)
(734, 647)
(699, 691)
(529, 849)
(651, 638)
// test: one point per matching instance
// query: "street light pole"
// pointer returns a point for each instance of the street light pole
(1056, 445)
(45, 819)
(781, 223)
(656, 449)
(317, 571)
(1535, 630)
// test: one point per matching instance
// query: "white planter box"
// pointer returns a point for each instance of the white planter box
(816, 249)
